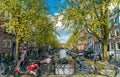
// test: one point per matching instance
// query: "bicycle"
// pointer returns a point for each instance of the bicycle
(112, 70)
(2, 70)
(117, 71)
(60, 66)
(45, 67)
(83, 68)
(64, 68)
(116, 68)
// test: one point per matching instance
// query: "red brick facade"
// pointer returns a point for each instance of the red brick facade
(6, 36)
(82, 42)
(7, 43)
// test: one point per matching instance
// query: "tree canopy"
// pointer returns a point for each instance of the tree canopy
(95, 15)
(28, 20)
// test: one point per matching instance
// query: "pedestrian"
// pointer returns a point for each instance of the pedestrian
(110, 58)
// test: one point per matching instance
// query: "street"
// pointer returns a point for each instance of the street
(60, 38)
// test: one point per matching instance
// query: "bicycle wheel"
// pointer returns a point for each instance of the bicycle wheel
(109, 71)
(67, 70)
(45, 69)
(59, 69)
(2, 68)
(117, 71)
(95, 70)
(88, 69)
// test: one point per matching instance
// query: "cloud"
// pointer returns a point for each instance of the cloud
(59, 23)
(64, 35)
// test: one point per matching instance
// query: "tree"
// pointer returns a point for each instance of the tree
(45, 31)
(19, 17)
(76, 37)
(94, 15)
(28, 20)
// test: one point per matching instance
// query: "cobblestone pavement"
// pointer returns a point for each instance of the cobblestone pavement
(78, 75)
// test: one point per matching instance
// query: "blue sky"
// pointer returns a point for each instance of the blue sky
(52, 4)
(63, 33)
(64, 36)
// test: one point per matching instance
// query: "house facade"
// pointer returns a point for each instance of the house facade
(7, 44)
(82, 42)
(113, 40)
(82, 45)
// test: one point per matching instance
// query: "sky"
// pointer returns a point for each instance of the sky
(64, 35)
(52, 4)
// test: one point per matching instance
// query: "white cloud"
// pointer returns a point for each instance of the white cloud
(63, 33)
(59, 24)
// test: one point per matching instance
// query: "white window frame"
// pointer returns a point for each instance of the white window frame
(111, 45)
(5, 43)
(9, 41)
(117, 46)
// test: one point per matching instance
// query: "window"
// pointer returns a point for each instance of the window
(9, 43)
(4, 43)
(116, 21)
(108, 47)
(116, 17)
(118, 45)
(111, 46)
(117, 32)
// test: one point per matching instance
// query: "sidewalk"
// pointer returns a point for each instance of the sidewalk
(78, 75)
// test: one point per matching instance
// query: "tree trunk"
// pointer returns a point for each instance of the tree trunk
(17, 48)
(105, 52)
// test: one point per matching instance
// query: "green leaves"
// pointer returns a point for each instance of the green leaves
(91, 14)
(96, 16)
(21, 16)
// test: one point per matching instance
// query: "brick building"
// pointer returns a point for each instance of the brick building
(7, 44)
(113, 40)
(82, 42)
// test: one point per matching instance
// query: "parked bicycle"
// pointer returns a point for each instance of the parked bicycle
(62, 67)
(45, 66)
(2, 70)
(7, 68)
(111, 69)
(82, 67)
